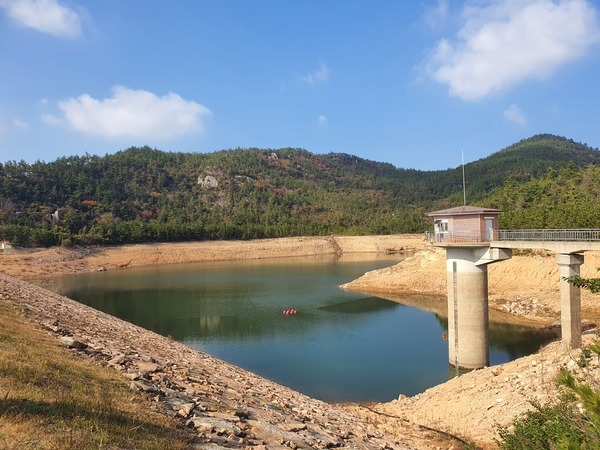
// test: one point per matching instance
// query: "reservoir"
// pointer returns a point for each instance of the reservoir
(339, 345)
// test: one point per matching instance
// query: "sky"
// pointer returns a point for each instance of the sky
(421, 84)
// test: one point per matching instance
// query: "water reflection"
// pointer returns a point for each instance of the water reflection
(361, 306)
(507, 340)
(341, 346)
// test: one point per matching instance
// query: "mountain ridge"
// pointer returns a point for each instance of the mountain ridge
(142, 194)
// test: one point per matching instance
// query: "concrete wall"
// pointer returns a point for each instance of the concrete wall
(467, 309)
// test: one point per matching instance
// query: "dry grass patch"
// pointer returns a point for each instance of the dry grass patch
(51, 399)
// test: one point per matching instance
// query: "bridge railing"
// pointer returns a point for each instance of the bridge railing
(455, 238)
(574, 235)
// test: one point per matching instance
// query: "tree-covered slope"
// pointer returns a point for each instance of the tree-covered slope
(530, 158)
(567, 198)
(527, 159)
(143, 194)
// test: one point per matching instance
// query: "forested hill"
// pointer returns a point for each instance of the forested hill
(143, 194)
(564, 198)
(527, 159)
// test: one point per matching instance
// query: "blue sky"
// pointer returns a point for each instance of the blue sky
(411, 83)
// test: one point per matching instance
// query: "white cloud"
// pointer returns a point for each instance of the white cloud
(52, 120)
(19, 124)
(434, 16)
(322, 120)
(502, 43)
(515, 114)
(135, 113)
(14, 124)
(46, 16)
(320, 75)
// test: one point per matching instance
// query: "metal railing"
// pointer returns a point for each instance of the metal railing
(575, 235)
(551, 235)
(454, 238)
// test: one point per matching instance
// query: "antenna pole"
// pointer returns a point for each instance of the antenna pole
(463, 174)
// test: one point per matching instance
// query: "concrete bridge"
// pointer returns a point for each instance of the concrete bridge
(557, 241)
(472, 241)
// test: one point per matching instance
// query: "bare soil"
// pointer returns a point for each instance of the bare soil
(40, 264)
(524, 289)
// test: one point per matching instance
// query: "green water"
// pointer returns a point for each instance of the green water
(340, 346)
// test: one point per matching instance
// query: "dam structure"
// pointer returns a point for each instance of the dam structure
(472, 240)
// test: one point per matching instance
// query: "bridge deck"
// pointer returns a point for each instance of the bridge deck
(553, 246)
(558, 241)
(555, 240)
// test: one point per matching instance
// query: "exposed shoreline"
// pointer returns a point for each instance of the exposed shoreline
(521, 290)
(39, 264)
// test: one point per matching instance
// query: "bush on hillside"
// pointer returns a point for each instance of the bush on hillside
(572, 422)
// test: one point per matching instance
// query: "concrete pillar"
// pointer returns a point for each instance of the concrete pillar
(468, 341)
(570, 300)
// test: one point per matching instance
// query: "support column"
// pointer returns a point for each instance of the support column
(570, 300)
(467, 309)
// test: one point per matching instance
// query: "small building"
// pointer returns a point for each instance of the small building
(465, 224)
(5, 246)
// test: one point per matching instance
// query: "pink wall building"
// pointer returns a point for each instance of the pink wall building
(465, 224)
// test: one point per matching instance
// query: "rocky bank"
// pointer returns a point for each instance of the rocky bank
(230, 407)
(225, 405)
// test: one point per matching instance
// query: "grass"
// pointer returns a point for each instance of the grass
(52, 399)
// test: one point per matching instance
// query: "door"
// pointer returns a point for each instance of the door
(489, 228)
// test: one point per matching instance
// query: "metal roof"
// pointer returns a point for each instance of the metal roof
(463, 210)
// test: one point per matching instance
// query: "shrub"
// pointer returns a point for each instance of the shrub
(570, 423)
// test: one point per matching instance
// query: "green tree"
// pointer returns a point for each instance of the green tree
(591, 284)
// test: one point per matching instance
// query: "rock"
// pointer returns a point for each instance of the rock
(116, 360)
(186, 409)
(52, 326)
(571, 365)
(208, 182)
(210, 424)
(225, 416)
(242, 414)
(143, 386)
(293, 427)
(147, 367)
(71, 342)
(211, 446)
